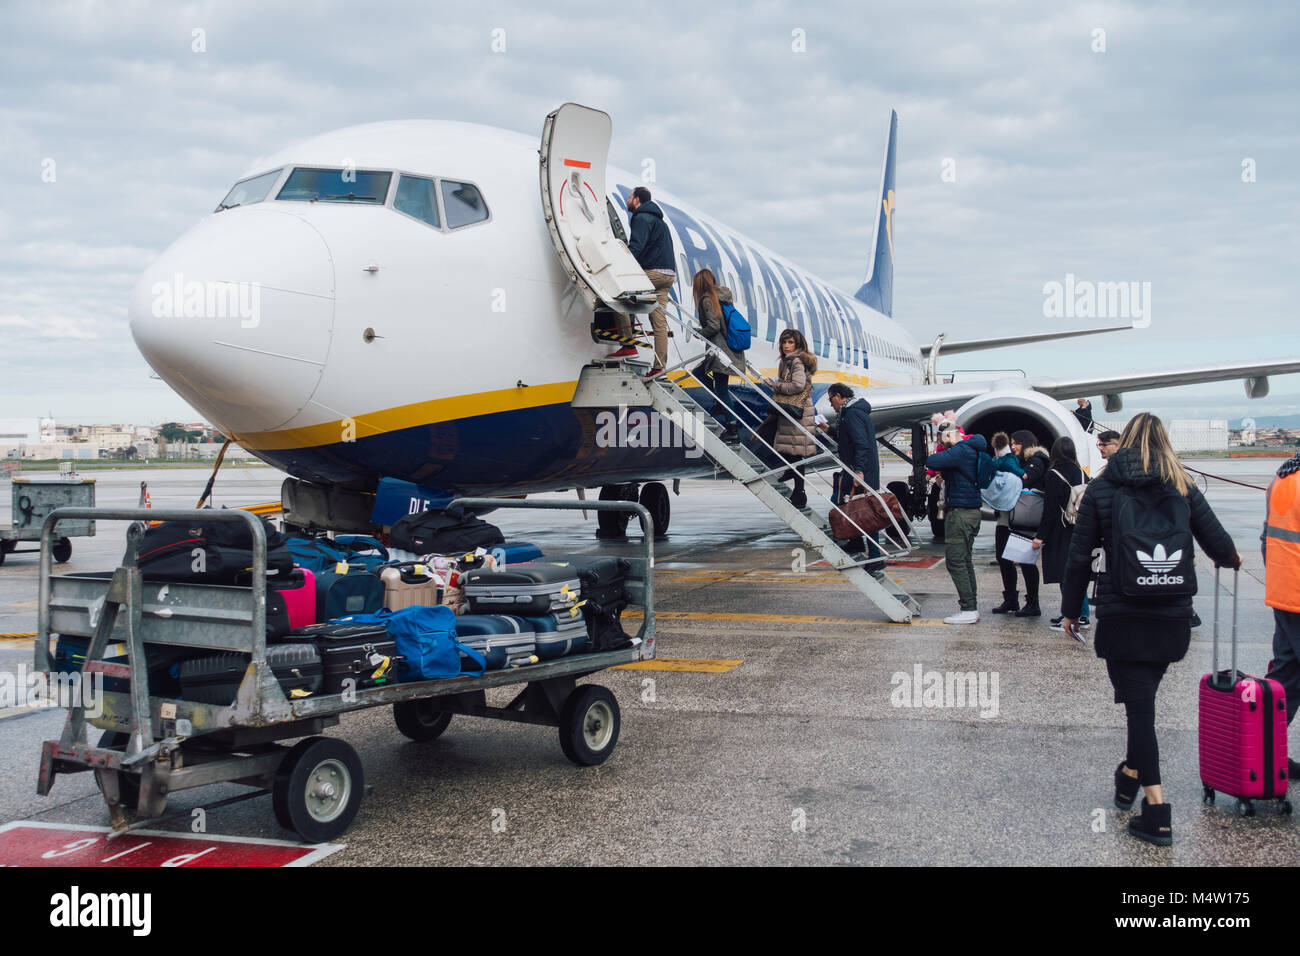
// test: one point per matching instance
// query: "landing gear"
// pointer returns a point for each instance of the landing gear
(932, 508)
(613, 524)
(654, 498)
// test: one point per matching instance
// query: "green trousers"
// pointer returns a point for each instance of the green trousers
(959, 529)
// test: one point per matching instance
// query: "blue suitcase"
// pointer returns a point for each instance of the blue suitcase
(558, 634)
(516, 552)
(503, 639)
(355, 592)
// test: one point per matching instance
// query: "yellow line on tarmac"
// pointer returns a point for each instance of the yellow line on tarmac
(18, 636)
(684, 664)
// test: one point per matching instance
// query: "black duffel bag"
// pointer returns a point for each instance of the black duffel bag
(437, 532)
(209, 552)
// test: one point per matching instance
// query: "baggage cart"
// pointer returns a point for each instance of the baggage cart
(153, 746)
(33, 500)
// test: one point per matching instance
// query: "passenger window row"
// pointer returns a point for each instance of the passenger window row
(430, 200)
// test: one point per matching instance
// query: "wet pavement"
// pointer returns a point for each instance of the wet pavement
(803, 753)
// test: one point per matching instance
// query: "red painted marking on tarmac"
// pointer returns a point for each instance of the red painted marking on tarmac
(927, 561)
(27, 843)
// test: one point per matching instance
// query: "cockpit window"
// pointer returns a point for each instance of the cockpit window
(248, 191)
(417, 197)
(463, 203)
(336, 185)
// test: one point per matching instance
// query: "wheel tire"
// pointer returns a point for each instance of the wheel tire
(655, 498)
(1285, 808)
(613, 524)
(1207, 795)
(932, 509)
(1244, 808)
(3, 551)
(62, 550)
(589, 725)
(420, 719)
(904, 495)
(128, 787)
(318, 788)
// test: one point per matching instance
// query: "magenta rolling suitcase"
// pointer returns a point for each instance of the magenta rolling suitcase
(1242, 729)
(299, 592)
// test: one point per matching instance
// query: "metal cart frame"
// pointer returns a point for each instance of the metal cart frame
(155, 746)
(41, 498)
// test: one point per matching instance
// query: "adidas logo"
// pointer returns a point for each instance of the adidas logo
(1159, 561)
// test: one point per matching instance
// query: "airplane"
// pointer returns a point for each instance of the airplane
(400, 301)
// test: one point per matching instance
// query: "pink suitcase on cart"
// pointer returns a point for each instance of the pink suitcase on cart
(299, 593)
(1242, 729)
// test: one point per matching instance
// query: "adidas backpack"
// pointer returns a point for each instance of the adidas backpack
(1151, 543)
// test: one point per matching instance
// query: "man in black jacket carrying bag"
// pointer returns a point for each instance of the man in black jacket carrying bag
(855, 436)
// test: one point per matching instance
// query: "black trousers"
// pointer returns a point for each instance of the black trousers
(1136, 683)
(1008, 568)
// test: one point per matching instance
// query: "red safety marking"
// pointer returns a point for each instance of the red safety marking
(25, 843)
(577, 162)
(921, 563)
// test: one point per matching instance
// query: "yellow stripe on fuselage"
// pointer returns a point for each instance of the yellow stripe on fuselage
(455, 407)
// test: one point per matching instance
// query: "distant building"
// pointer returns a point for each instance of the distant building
(1187, 434)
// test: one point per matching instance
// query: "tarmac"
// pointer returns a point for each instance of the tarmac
(803, 752)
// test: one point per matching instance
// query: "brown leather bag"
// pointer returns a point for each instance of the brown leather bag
(867, 513)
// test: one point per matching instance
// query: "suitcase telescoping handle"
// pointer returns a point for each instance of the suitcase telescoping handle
(1214, 654)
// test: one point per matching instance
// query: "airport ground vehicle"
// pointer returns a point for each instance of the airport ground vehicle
(154, 746)
(33, 500)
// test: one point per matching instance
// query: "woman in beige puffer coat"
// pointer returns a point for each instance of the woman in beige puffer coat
(793, 386)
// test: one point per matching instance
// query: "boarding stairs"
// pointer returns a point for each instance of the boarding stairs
(616, 383)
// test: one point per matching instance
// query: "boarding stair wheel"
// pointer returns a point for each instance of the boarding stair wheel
(589, 725)
(318, 788)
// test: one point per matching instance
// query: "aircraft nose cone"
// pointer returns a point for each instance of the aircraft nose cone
(236, 316)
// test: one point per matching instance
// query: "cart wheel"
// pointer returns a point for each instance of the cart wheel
(420, 719)
(1284, 808)
(1245, 808)
(1207, 795)
(128, 786)
(589, 725)
(318, 788)
(62, 550)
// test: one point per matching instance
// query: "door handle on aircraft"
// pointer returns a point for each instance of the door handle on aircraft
(575, 185)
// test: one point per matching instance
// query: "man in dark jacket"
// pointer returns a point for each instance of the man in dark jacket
(855, 437)
(1084, 413)
(652, 246)
(961, 495)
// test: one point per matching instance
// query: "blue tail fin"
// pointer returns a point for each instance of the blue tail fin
(878, 290)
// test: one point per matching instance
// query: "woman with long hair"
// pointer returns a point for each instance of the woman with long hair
(792, 391)
(1052, 540)
(713, 372)
(1138, 637)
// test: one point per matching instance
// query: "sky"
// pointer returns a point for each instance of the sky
(1150, 142)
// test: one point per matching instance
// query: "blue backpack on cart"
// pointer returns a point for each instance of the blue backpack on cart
(426, 642)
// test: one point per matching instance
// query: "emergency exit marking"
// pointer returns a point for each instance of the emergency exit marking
(581, 164)
(27, 843)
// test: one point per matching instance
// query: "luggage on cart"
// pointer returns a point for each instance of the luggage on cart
(354, 591)
(561, 633)
(504, 640)
(436, 532)
(70, 655)
(315, 554)
(526, 589)
(516, 552)
(215, 552)
(604, 597)
(364, 653)
(363, 548)
(408, 584)
(1242, 728)
(215, 678)
(427, 648)
(299, 593)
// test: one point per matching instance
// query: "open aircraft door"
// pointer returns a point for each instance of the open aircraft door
(575, 147)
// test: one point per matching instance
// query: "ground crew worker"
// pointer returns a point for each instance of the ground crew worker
(1281, 547)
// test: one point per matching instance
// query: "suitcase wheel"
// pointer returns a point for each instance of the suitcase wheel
(318, 788)
(1245, 808)
(589, 725)
(1207, 795)
(1284, 808)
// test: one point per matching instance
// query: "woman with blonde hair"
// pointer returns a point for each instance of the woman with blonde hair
(1139, 636)
(710, 302)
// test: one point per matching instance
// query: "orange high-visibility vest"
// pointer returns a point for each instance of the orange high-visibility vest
(1282, 544)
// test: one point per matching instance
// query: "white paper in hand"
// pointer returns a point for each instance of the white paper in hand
(1020, 550)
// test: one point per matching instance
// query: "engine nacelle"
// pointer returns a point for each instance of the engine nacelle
(1009, 407)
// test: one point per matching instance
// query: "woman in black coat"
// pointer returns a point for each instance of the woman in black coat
(1052, 540)
(1138, 638)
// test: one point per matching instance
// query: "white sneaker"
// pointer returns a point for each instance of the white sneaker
(963, 617)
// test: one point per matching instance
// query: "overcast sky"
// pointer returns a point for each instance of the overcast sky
(1122, 165)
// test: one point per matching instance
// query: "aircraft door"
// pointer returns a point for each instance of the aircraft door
(575, 147)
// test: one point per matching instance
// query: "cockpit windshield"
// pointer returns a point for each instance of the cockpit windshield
(248, 191)
(336, 185)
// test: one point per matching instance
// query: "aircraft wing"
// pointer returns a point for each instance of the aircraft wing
(902, 405)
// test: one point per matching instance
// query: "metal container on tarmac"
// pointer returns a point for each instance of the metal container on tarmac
(33, 499)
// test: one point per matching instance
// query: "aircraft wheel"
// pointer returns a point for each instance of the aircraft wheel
(613, 524)
(62, 550)
(655, 499)
(936, 523)
(318, 788)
